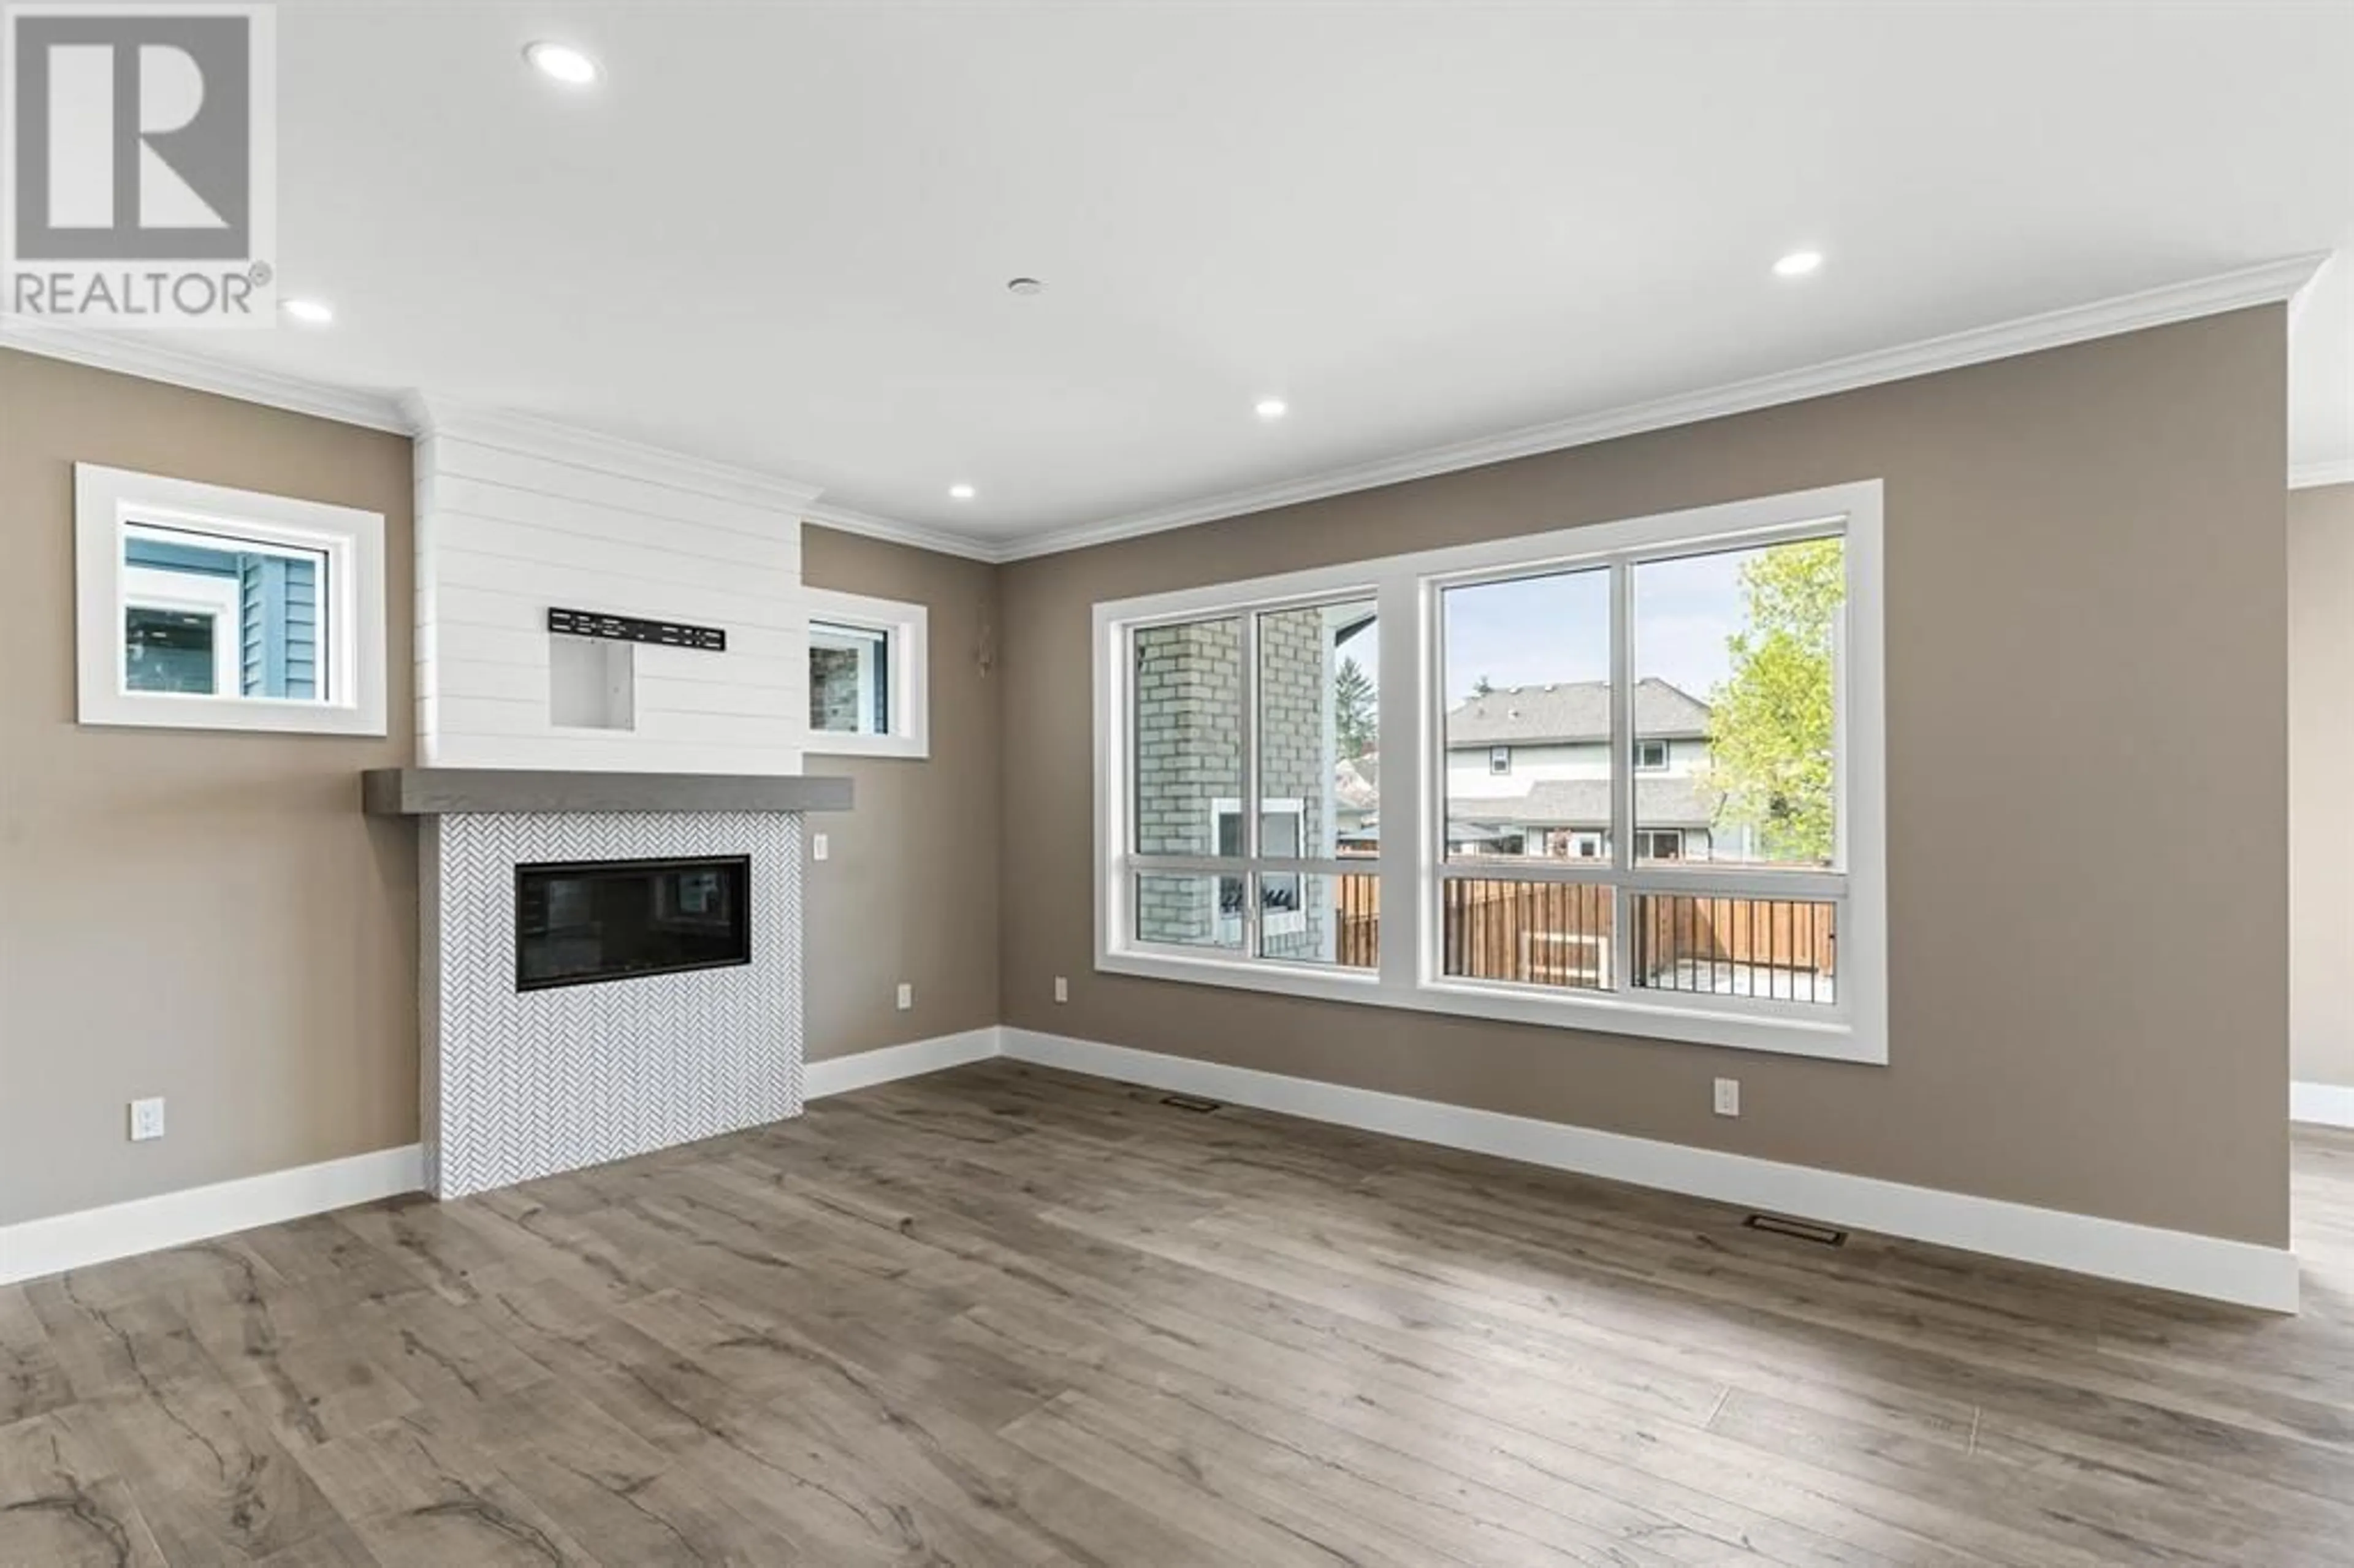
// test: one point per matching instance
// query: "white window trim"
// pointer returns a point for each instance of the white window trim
(908, 628)
(1412, 781)
(1667, 755)
(1290, 925)
(1655, 834)
(111, 502)
(215, 598)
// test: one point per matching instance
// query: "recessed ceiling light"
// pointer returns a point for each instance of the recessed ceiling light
(310, 313)
(1271, 407)
(1024, 286)
(1797, 263)
(562, 62)
(960, 492)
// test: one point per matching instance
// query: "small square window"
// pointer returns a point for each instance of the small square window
(205, 608)
(1659, 844)
(1500, 759)
(868, 675)
(849, 679)
(1650, 756)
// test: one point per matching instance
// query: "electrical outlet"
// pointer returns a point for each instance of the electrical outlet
(146, 1120)
(1062, 989)
(819, 847)
(906, 996)
(1728, 1096)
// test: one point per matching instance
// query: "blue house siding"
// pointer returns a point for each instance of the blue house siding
(280, 649)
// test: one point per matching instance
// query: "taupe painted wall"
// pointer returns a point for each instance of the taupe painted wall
(2087, 771)
(2321, 783)
(910, 890)
(2084, 548)
(205, 917)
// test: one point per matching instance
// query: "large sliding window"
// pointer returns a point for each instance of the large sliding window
(1685, 843)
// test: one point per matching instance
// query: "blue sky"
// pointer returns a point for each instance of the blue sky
(1536, 629)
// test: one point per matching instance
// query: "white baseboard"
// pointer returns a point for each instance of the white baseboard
(32, 1248)
(2323, 1105)
(839, 1075)
(2238, 1272)
(2223, 1270)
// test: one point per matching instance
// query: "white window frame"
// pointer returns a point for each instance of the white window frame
(1412, 865)
(111, 504)
(908, 629)
(1293, 806)
(1655, 835)
(216, 599)
(1667, 755)
(1500, 761)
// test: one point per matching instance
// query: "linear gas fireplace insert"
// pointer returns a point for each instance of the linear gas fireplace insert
(620, 920)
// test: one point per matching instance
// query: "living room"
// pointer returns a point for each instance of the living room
(1168, 783)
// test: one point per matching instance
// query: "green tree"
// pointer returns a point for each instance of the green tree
(1771, 723)
(1482, 686)
(1356, 720)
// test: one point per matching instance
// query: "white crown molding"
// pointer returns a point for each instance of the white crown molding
(2309, 476)
(922, 538)
(139, 354)
(2239, 1272)
(412, 413)
(431, 415)
(2270, 283)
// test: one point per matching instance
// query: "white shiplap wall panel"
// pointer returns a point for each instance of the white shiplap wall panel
(489, 541)
(510, 617)
(505, 533)
(519, 680)
(494, 717)
(587, 519)
(571, 480)
(583, 587)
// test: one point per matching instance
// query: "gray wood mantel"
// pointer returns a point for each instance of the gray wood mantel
(439, 792)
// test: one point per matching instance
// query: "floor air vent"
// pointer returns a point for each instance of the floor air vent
(1804, 1230)
(1190, 1103)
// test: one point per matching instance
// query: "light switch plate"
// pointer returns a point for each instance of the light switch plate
(1728, 1096)
(819, 847)
(146, 1120)
(1062, 988)
(906, 996)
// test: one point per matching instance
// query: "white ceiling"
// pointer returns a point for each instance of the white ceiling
(778, 235)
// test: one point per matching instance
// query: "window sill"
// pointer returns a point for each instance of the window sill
(1829, 1040)
(826, 743)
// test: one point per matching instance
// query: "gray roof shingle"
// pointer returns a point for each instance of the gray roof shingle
(1586, 803)
(1570, 712)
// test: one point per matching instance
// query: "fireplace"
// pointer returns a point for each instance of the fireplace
(682, 890)
(584, 921)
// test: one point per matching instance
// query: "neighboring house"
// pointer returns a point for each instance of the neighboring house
(1189, 696)
(1527, 772)
(1357, 804)
(225, 622)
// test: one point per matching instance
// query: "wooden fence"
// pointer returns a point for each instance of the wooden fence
(1361, 922)
(1559, 933)
(1796, 934)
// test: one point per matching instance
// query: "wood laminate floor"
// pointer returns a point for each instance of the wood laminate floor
(1007, 1316)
